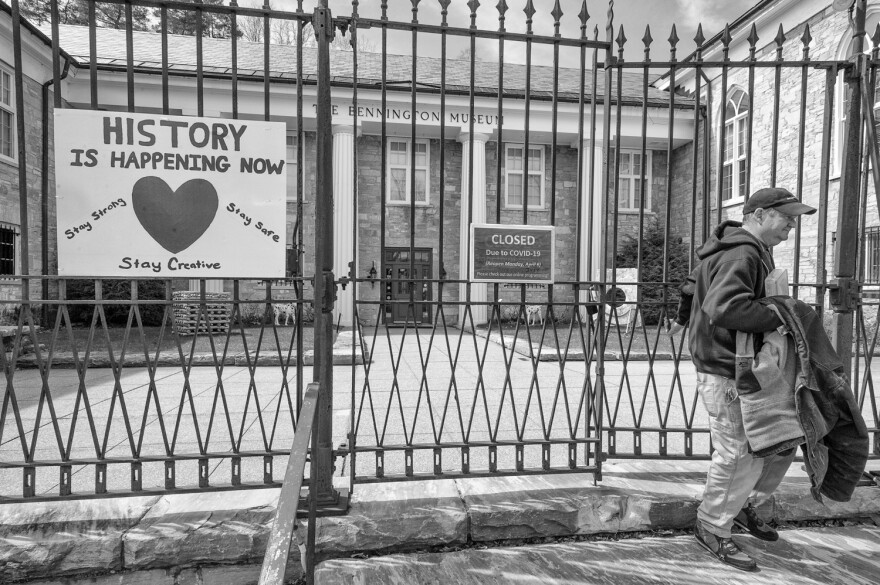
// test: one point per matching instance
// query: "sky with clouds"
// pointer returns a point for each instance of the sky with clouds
(633, 15)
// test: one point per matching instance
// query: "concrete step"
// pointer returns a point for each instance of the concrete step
(848, 555)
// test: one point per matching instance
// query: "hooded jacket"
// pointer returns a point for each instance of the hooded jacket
(835, 441)
(724, 289)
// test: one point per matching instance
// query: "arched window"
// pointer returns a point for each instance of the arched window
(736, 130)
(7, 115)
(842, 98)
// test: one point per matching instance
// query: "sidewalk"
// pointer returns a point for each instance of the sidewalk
(812, 556)
(219, 538)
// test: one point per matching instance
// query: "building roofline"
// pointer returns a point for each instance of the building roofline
(113, 57)
(33, 30)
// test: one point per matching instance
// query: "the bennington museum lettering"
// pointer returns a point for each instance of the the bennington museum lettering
(375, 112)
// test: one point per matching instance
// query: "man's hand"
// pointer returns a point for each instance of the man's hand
(674, 329)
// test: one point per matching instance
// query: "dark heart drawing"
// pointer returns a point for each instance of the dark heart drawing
(175, 219)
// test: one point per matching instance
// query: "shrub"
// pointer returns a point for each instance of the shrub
(151, 315)
(10, 314)
(653, 244)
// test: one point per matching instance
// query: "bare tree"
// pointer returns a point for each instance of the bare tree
(281, 31)
(284, 31)
(250, 28)
(465, 55)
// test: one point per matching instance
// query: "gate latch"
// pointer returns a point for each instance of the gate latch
(322, 23)
(344, 280)
(843, 294)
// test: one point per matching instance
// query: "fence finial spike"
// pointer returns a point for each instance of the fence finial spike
(725, 36)
(673, 37)
(556, 13)
(529, 10)
(584, 14)
(780, 37)
(753, 37)
(807, 37)
(875, 39)
(699, 38)
(621, 38)
(647, 39)
(501, 7)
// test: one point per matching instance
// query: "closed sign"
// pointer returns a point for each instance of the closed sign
(512, 253)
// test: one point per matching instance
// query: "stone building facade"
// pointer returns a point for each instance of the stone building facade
(798, 118)
(37, 90)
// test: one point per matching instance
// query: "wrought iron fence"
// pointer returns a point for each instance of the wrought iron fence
(119, 390)
(596, 373)
(630, 160)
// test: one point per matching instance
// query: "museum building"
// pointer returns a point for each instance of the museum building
(416, 164)
(378, 133)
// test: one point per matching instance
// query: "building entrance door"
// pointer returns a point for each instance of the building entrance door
(396, 268)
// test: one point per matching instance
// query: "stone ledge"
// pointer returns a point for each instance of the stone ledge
(566, 505)
(395, 516)
(49, 539)
(191, 529)
(159, 540)
(220, 537)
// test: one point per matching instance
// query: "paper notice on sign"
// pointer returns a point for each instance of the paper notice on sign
(169, 196)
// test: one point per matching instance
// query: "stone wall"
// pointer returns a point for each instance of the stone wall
(426, 231)
(630, 222)
(10, 196)
(829, 29)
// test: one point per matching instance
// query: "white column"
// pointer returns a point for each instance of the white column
(592, 218)
(211, 286)
(475, 201)
(344, 225)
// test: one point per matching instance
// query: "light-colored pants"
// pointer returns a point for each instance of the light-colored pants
(735, 477)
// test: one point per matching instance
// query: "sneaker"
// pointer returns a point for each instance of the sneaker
(748, 520)
(724, 549)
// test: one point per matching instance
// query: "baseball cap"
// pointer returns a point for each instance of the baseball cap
(775, 198)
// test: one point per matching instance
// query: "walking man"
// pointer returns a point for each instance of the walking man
(725, 286)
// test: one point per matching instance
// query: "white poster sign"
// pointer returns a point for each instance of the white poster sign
(169, 196)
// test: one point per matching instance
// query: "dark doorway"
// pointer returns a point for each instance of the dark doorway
(396, 268)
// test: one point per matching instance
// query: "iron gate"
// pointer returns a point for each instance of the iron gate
(631, 161)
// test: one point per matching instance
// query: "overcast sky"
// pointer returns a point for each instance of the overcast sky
(633, 15)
